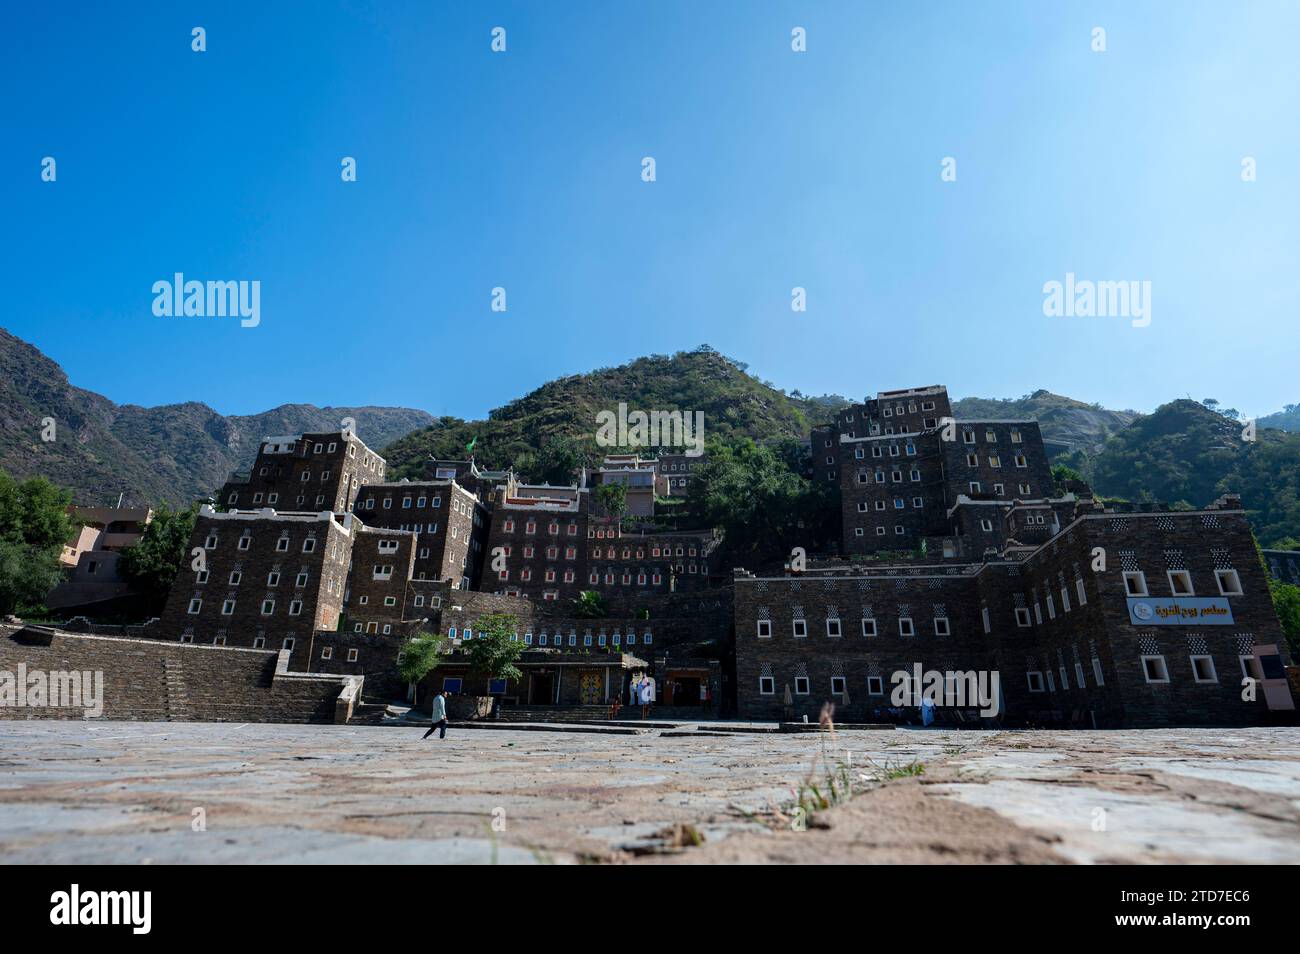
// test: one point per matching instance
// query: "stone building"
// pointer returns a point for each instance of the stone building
(304, 472)
(677, 470)
(261, 579)
(1142, 618)
(451, 524)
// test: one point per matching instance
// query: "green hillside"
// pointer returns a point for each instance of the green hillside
(169, 454)
(1071, 425)
(565, 411)
(1187, 454)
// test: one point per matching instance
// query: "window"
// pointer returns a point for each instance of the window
(309, 545)
(195, 607)
(764, 628)
(1180, 583)
(327, 652)
(801, 685)
(1096, 672)
(244, 542)
(273, 579)
(268, 607)
(1035, 681)
(1251, 668)
(1078, 674)
(941, 626)
(868, 627)
(986, 526)
(1135, 583)
(451, 684)
(905, 627)
(984, 614)
(832, 627)
(800, 627)
(352, 655)
(876, 685)
(1079, 588)
(201, 576)
(766, 684)
(1154, 668)
(288, 643)
(1203, 669)
(1022, 616)
(1229, 582)
(295, 607)
(838, 687)
(228, 608)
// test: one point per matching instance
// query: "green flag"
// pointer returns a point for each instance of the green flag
(470, 445)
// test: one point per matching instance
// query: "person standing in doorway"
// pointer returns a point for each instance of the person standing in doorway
(439, 717)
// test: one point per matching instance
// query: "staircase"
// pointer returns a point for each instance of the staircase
(178, 703)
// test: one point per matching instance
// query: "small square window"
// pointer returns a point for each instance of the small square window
(838, 685)
(764, 628)
(1180, 583)
(1203, 669)
(1229, 582)
(800, 627)
(1035, 681)
(801, 685)
(1154, 668)
(868, 627)
(1135, 583)
(876, 685)
(766, 685)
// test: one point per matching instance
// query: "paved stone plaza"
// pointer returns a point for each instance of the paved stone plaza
(118, 792)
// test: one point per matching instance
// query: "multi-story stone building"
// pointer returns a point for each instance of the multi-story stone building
(260, 579)
(451, 524)
(1139, 618)
(304, 472)
(536, 541)
(677, 470)
(903, 465)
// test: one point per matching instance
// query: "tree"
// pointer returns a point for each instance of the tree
(1286, 600)
(612, 498)
(762, 506)
(34, 527)
(589, 605)
(493, 651)
(151, 566)
(558, 461)
(419, 657)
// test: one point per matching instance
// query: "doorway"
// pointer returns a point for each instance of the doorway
(541, 689)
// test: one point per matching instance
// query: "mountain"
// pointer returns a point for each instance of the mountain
(733, 403)
(171, 454)
(1187, 454)
(1287, 419)
(1067, 425)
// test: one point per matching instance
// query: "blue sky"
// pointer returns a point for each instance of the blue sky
(775, 169)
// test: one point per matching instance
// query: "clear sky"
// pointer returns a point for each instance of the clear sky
(775, 169)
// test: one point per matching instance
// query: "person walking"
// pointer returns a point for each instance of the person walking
(439, 717)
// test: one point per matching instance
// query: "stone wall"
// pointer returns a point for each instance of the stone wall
(147, 680)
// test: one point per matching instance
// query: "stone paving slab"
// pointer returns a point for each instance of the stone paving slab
(132, 792)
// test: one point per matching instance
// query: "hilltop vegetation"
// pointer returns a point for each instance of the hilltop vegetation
(559, 418)
(1186, 454)
(1062, 420)
(168, 454)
